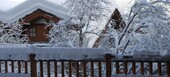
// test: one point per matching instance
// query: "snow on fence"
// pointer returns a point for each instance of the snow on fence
(78, 62)
(50, 53)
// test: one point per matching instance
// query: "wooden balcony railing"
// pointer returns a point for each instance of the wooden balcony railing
(108, 66)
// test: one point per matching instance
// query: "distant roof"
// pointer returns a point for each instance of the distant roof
(29, 6)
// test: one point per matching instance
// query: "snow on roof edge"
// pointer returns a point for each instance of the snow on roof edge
(25, 8)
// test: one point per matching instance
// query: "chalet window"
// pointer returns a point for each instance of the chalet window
(32, 32)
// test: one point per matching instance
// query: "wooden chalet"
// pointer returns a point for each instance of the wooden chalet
(38, 28)
(116, 22)
(36, 13)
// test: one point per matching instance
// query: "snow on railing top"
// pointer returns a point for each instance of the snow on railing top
(145, 53)
(53, 53)
(14, 53)
(151, 55)
(50, 53)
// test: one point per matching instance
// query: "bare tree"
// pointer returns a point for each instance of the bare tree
(84, 14)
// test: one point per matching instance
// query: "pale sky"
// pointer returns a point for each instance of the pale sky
(6, 5)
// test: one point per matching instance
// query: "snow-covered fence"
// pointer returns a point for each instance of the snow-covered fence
(107, 66)
(32, 59)
(50, 53)
(152, 65)
(79, 62)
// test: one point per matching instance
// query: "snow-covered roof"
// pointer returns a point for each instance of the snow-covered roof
(29, 6)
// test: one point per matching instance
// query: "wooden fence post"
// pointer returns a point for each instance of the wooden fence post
(125, 68)
(134, 68)
(33, 65)
(108, 65)
(159, 69)
(150, 68)
(168, 69)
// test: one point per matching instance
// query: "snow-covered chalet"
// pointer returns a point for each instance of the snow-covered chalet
(115, 21)
(36, 13)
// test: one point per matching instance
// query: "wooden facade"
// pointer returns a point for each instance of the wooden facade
(38, 28)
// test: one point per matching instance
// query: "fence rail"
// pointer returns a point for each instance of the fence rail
(104, 67)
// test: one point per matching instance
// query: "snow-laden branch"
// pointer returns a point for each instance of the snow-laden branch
(148, 24)
(84, 14)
